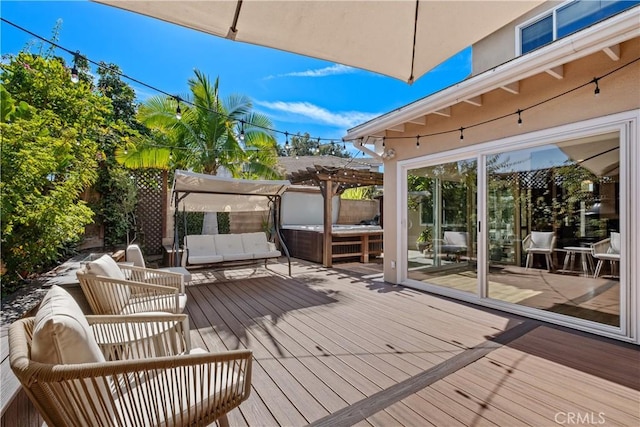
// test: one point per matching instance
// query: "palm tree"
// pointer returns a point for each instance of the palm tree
(211, 134)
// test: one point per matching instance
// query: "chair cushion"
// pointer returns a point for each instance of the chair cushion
(115, 296)
(204, 259)
(269, 254)
(61, 333)
(164, 303)
(105, 266)
(134, 255)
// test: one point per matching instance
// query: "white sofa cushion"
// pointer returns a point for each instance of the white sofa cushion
(202, 249)
(61, 332)
(230, 247)
(258, 245)
(105, 266)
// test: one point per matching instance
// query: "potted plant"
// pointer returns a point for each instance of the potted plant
(424, 242)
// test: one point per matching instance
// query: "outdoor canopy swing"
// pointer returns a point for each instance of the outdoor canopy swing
(196, 192)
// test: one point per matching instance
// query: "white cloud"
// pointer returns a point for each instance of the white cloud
(320, 72)
(341, 119)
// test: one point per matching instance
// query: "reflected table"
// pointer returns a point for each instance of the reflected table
(585, 258)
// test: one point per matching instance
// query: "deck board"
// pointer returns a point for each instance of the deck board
(339, 347)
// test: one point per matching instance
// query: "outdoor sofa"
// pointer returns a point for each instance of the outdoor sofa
(221, 249)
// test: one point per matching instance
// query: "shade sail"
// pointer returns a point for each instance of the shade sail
(196, 192)
(402, 39)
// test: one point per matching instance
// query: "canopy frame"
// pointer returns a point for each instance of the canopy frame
(274, 202)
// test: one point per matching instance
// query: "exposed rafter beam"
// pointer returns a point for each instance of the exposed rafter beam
(397, 128)
(446, 112)
(513, 88)
(476, 100)
(613, 52)
(557, 72)
(422, 120)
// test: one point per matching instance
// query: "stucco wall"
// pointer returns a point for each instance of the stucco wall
(500, 46)
(619, 92)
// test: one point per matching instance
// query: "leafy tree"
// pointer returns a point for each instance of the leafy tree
(206, 137)
(304, 145)
(118, 192)
(49, 128)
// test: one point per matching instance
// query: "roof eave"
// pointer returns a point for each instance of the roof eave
(614, 30)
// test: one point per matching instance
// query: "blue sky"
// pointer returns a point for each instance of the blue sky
(299, 94)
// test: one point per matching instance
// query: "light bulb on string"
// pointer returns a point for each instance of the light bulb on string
(461, 133)
(75, 78)
(417, 142)
(178, 110)
(242, 130)
(383, 138)
(286, 142)
(596, 91)
(519, 118)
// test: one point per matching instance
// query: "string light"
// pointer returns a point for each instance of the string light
(75, 78)
(178, 110)
(417, 142)
(286, 144)
(242, 130)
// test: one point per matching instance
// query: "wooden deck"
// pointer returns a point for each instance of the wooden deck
(339, 347)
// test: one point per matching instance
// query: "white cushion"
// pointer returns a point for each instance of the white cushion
(230, 245)
(204, 259)
(112, 296)
(255, 242)
(61, 332)
(202, 249)
(105, 266)
(134, 255)
(164, 303)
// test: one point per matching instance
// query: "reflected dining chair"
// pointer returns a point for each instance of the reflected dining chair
(607, 250)
(539, 242)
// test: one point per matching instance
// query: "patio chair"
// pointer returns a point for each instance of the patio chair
(539, 242)
(607, 250)
(134, 255)
(101, 371)
(455, 242)
(112, 288)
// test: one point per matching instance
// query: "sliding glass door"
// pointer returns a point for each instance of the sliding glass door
(553, 215)
(442, 218)
(554, 240)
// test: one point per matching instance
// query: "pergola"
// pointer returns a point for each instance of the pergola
(332, 182)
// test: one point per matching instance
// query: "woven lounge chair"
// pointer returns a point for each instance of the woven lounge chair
(112, 288)
(122, 370)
